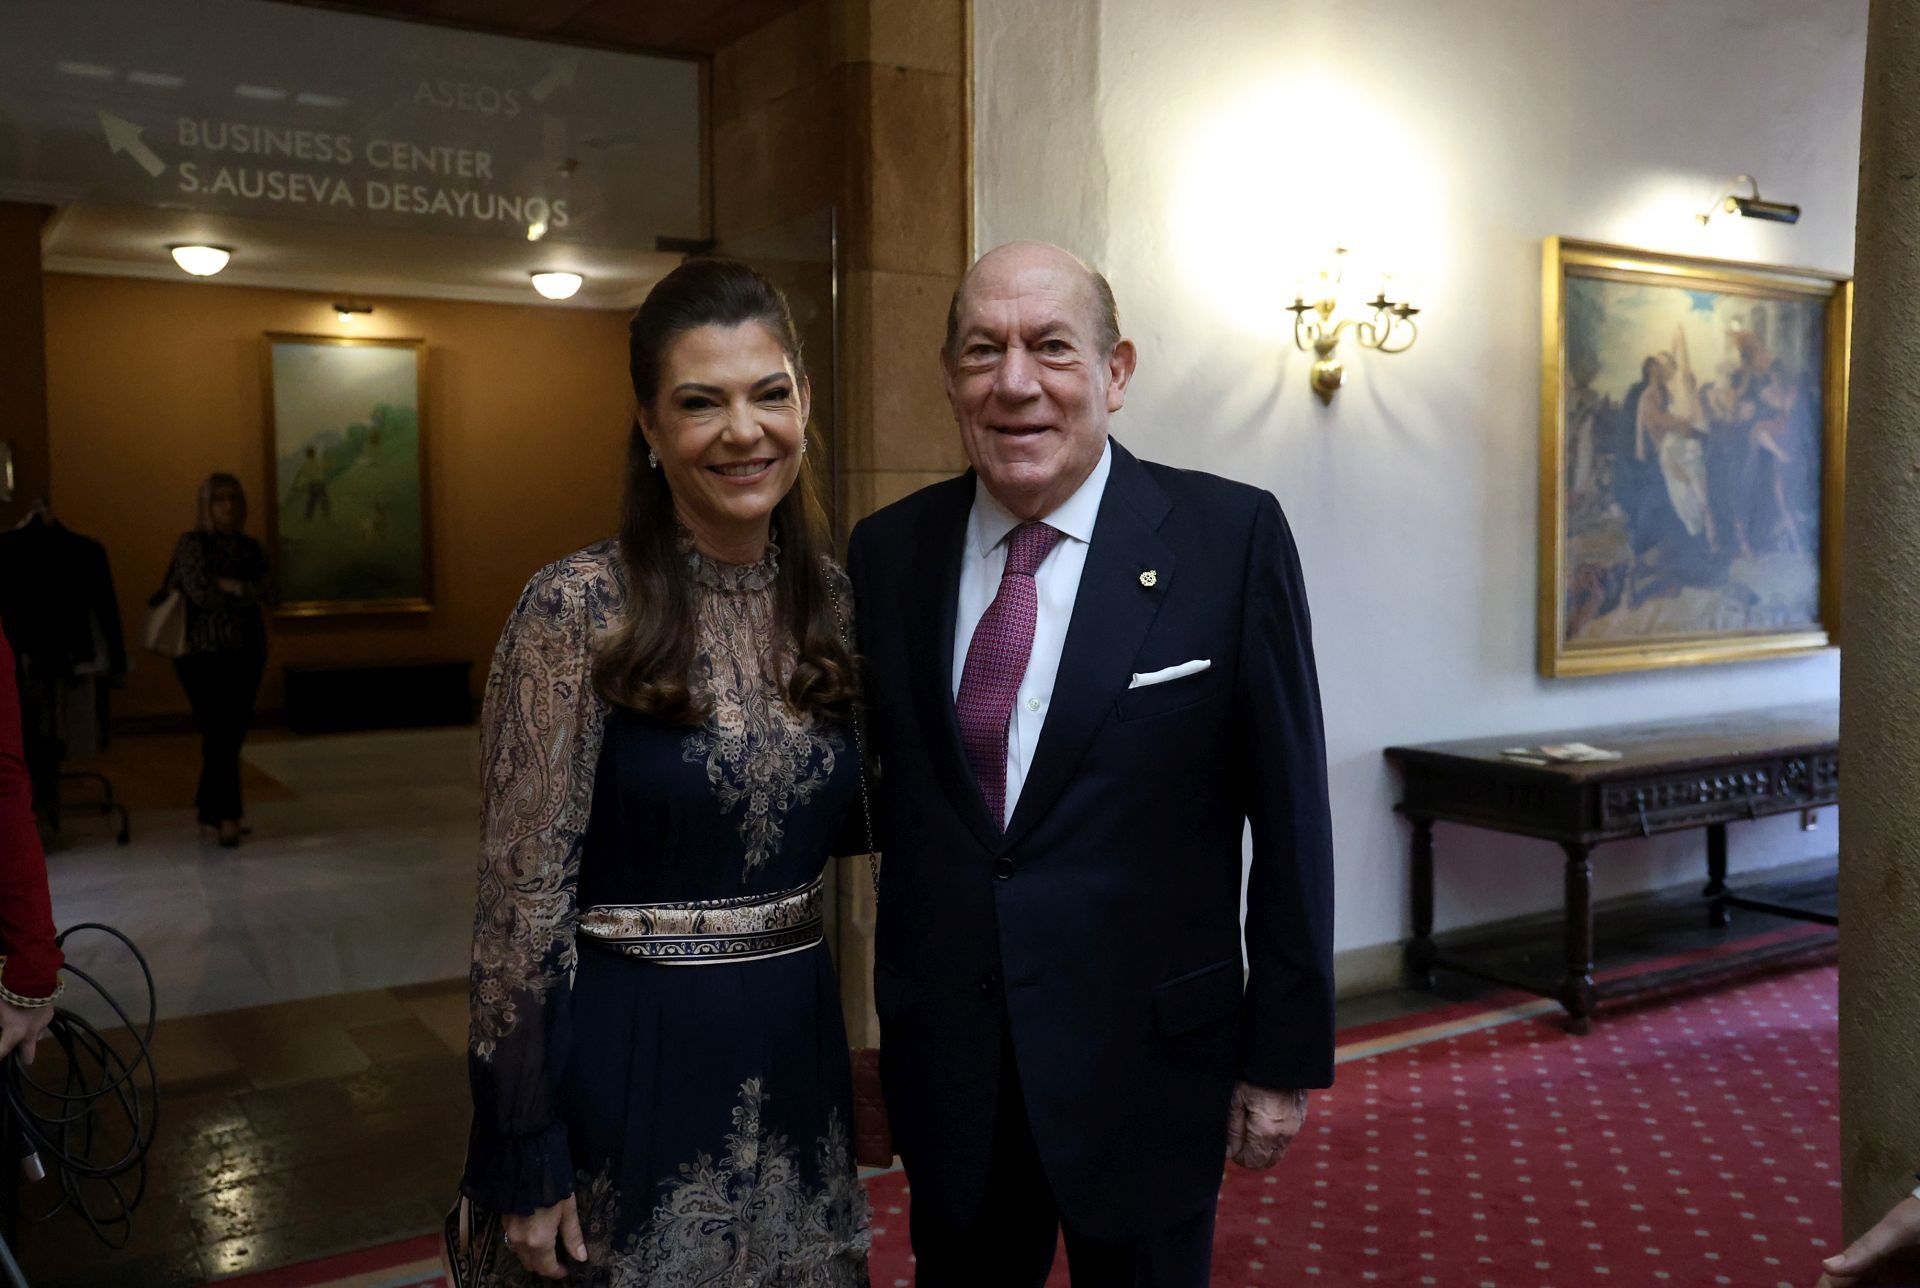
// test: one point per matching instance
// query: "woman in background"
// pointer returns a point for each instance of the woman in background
(223, 574)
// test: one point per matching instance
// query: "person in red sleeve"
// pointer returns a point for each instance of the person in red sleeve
(30, 968)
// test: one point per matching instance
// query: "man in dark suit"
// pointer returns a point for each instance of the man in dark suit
(1088, 673)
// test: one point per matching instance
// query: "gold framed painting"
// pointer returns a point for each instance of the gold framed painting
(346, 516)
(1693, 419)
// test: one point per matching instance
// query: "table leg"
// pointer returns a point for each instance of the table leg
(1420, 951)
(1576, 992)
(1717, 913)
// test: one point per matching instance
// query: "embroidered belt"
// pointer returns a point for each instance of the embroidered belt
(709, 932)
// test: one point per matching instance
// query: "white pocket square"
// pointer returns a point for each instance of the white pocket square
(1141, 679)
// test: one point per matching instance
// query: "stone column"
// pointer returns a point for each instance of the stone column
(904, 246)
(862, 105)
(23, 357)
(1880, 671)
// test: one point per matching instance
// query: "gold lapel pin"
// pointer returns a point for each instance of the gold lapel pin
(1150, 578)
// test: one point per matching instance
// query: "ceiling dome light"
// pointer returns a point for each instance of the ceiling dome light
(201, 261)
(557, 286)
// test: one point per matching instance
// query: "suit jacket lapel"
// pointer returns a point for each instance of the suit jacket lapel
(1111, 614)
(931, 612)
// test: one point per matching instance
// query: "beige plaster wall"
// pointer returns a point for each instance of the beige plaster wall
(1468, 132)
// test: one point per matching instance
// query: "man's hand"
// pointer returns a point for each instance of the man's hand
(21, 1026)
(1898, 1229)
(1262, 1123)
(532, 1238)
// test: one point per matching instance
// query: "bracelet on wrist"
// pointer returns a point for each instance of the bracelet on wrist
(28, 1003)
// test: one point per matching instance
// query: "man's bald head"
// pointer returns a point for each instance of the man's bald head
(1102, 312)
(1035, 368)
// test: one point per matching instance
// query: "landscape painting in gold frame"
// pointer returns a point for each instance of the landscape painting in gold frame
(1693, 418)
(348, 528)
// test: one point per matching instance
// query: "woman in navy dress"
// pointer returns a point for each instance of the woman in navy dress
(659, 1069)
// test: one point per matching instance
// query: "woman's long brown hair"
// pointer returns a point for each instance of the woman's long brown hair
(646, 664)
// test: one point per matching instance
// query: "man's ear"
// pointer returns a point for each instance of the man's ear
(1119, 373)
(947, 374)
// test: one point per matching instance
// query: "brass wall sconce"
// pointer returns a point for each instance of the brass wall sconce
(1387, 327)
(1752, 207)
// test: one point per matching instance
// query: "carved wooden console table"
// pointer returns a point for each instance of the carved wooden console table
(1673, 776)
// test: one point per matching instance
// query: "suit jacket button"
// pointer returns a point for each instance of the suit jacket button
(989, 984)
(1003, 867)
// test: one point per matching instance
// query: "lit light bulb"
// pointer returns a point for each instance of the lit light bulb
(557, 286)
(201, 261)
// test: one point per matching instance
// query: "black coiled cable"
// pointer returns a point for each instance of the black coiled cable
(92, 1127)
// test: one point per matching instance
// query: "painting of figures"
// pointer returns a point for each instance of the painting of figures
(346, 474)
(1691, 442)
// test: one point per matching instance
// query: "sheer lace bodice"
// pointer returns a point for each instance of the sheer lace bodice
(761, 757)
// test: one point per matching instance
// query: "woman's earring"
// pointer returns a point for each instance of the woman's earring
(803, 444)
(653, 462)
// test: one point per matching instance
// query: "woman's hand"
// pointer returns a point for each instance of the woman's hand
(231, 586)
(532, 1238)
(21, 1026)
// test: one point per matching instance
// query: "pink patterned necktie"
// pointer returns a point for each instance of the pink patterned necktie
(997, 662)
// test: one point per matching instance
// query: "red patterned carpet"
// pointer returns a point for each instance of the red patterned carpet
(1693, 1143)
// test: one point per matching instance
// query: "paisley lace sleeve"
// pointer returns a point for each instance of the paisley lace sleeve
(541, 725)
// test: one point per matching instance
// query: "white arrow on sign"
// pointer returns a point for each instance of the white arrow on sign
(124, 136)
(558, 75)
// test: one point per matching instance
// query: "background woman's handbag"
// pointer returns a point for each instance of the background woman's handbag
(165, 630)
(872, 1134)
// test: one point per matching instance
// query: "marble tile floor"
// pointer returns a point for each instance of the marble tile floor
(359, 876)
(286, 1132)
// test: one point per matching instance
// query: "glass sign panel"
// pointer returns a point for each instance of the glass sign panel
(268, 110)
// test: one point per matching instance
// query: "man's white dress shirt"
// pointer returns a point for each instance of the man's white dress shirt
(1057, 581)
